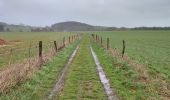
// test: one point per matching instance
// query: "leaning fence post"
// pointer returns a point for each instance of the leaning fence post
(123, 50)
(55, 46)
(107, 43)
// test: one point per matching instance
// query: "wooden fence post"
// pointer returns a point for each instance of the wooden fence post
(96, 37)
(40, 48)
(40, 52)
(29, 53)
(73, 37)
(55, 46)
(107, 43)
(69, 39)
(123, 50)
(64, 42)
(101, 41)
(92, 36)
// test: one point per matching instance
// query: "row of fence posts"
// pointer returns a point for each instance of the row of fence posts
(56, 48)
(99, 39)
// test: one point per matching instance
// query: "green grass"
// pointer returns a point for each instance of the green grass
(42, 81)
(27, 41)
(150, 48)
(82, 80)
(124, 79)
(35, 36)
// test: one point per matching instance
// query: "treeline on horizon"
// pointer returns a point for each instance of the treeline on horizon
(151, 28)
(65, 28)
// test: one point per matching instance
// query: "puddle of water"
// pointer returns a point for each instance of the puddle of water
(111, 95)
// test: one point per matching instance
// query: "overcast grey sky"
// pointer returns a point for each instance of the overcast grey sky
(117, 13)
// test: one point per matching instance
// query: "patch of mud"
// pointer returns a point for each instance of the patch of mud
(3, 42)
(111, 95)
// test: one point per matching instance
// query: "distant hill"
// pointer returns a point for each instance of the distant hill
(60, 27)
(78, 26)
(4, 24)
(68, 26)
(71, 26)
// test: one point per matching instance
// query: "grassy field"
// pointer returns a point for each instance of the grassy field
(150, 48)
(38, 86)
(123, 78)
(25, 44)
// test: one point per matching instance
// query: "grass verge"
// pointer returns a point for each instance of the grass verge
(124, 78)
(42, 81)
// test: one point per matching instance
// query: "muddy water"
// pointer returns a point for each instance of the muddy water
(111, 95)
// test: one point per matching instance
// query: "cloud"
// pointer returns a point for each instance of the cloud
(128, 13)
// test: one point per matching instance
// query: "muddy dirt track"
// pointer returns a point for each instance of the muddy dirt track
(82, 76)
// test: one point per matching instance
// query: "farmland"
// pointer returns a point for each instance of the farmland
(41, 82)
(147, 48)
(25, 44)
(142, 74)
